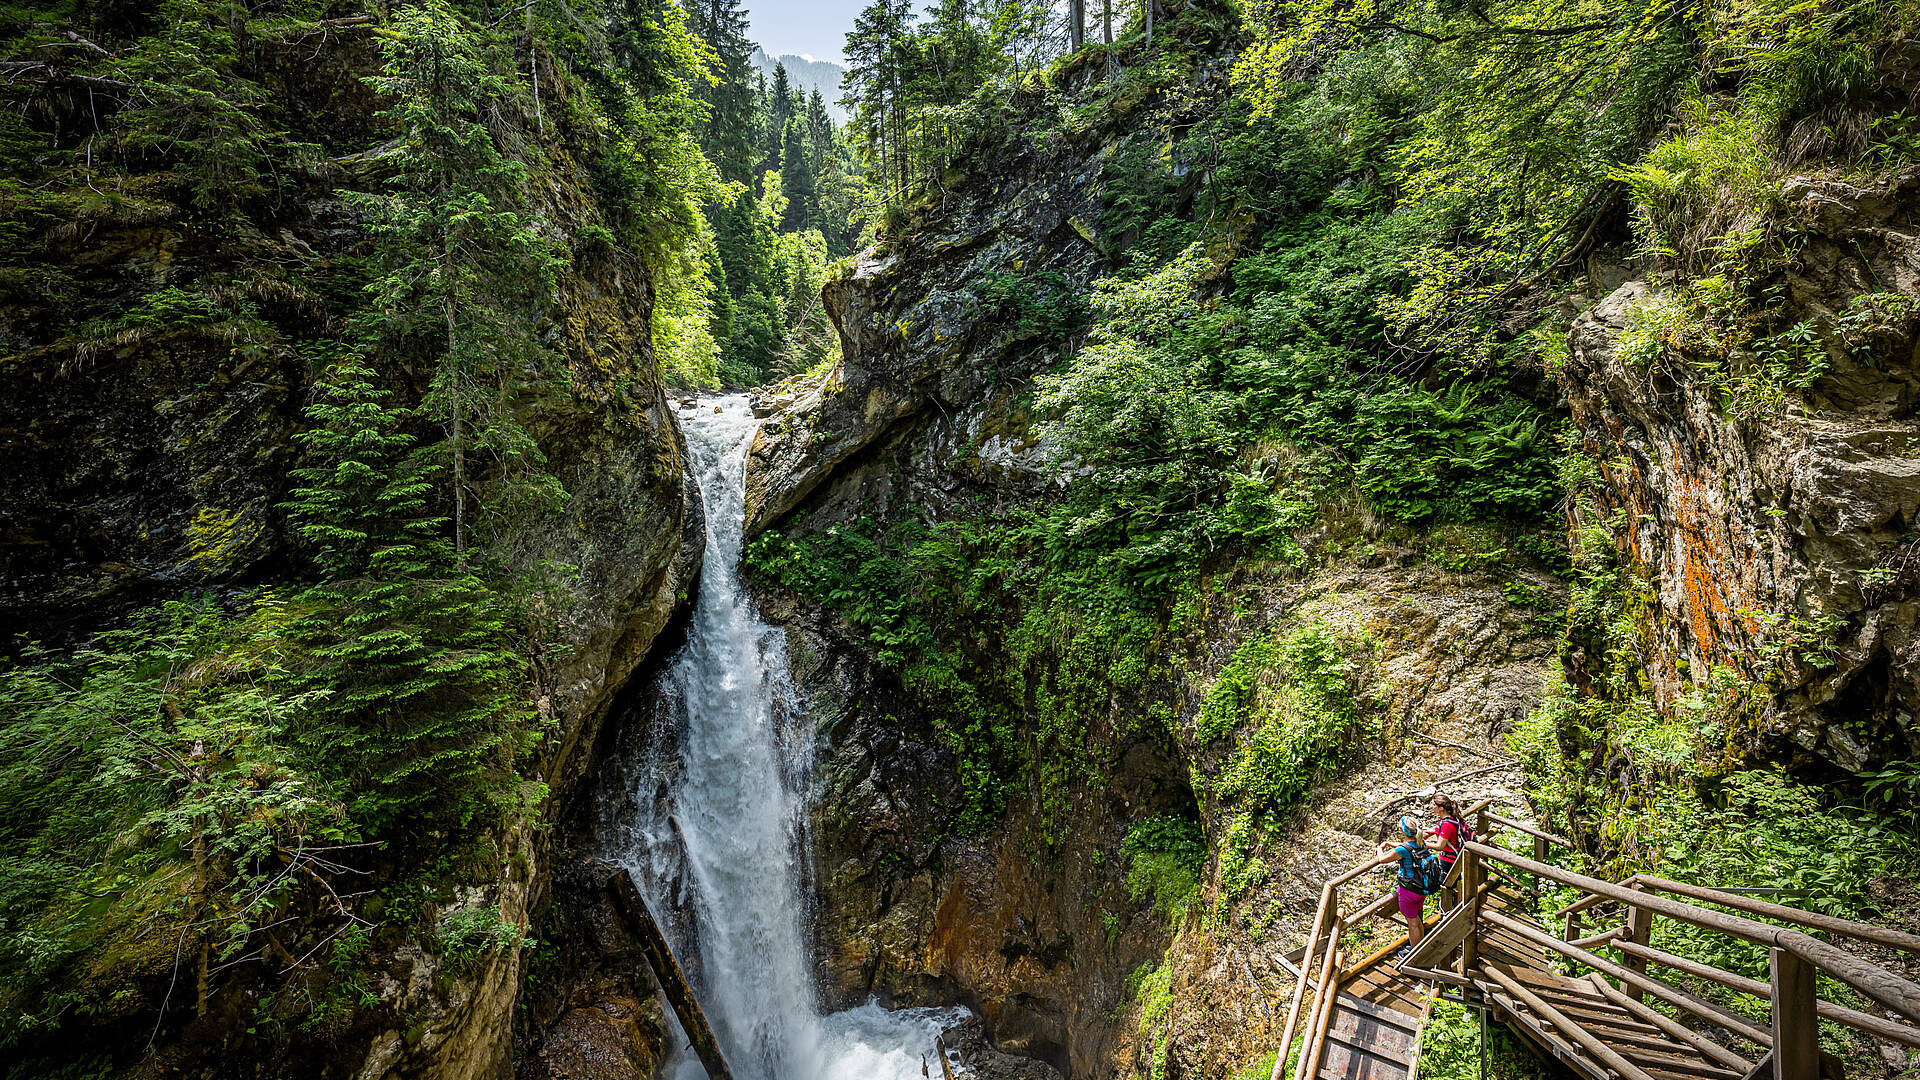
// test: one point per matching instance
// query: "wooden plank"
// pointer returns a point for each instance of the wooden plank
(1346, 1063)
(1357, 1028)
(1408, 1022)
(1563, 1026)
(1684, 1064)
(1382, 1049)
(673, 982)
(1500, 954)
(1707, 1047)
(1388, 997)
(1440, 941)
(1545, 1037)
(1534, 831)
(1671, 994)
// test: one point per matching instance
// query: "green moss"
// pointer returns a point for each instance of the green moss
(217, 537)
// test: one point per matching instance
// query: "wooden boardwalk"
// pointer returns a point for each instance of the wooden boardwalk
(1364, 1018)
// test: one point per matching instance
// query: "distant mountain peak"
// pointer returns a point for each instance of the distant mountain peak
(809, 74)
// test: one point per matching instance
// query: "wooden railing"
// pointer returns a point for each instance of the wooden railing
(1791, 1039)
(1787, 1047)
(1323, 942)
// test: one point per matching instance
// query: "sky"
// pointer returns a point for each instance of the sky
(816, 28)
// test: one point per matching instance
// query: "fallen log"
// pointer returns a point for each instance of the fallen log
(673, 983)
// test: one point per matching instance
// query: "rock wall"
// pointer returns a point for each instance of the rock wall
(1790, 531)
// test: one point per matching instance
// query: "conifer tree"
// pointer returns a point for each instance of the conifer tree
(732, 98)
(416, 695)
(797, 180)
(457, 257)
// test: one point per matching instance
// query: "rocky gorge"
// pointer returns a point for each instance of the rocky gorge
(1089, 797)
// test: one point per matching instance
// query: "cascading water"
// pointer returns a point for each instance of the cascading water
(711, 818)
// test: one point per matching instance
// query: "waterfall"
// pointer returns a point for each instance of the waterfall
(711, 818)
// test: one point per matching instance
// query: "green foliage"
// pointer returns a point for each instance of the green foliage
(460, 265)
(147, 778)
(195, 784)
(1450, 1047)
(1164, 855)
(419, 693)
(1308, 722)
(1229, 700)
(466, 935)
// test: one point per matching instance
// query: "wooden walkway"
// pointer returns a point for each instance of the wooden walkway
(1363, 1019)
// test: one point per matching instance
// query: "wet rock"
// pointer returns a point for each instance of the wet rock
(603, 1041)
(968, 1044)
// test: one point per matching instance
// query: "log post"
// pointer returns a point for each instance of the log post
(1640, 932)
(1539, 855)
(1472, 873)
(1796, 1023)
(673, 982)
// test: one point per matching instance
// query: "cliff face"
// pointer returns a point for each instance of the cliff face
(1034, 924)
(1772, 543)
(150, 462)
(1780, 546)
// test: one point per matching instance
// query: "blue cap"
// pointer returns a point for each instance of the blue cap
(1408, 825)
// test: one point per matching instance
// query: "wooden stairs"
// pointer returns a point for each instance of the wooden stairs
(1364, 1020)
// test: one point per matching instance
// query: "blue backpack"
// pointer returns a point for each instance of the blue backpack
(1421, 870)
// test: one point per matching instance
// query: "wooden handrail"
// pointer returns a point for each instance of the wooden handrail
(1878, 935)
(1327, 893)
(1600, 938)
(1707, 1047)
(1329, 906)
(1322, 1002)
(1587, 901)
(1884, 987)
(1891, 1030)
(1530, 830)
(1567, 1027)
(1666, 992)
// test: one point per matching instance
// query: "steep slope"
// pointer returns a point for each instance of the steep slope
(170, 305)
(1018, 891)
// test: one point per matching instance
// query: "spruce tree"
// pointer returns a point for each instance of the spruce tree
(797, 180)
(458, 259)
(417, 704)
(732, 98)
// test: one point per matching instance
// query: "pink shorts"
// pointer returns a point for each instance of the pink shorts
(1411, 904)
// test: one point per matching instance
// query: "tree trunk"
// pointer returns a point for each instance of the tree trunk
(1106, 22)
(456, 424)
(1076, 24)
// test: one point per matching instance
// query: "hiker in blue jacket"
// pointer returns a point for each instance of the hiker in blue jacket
(1416, 878)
